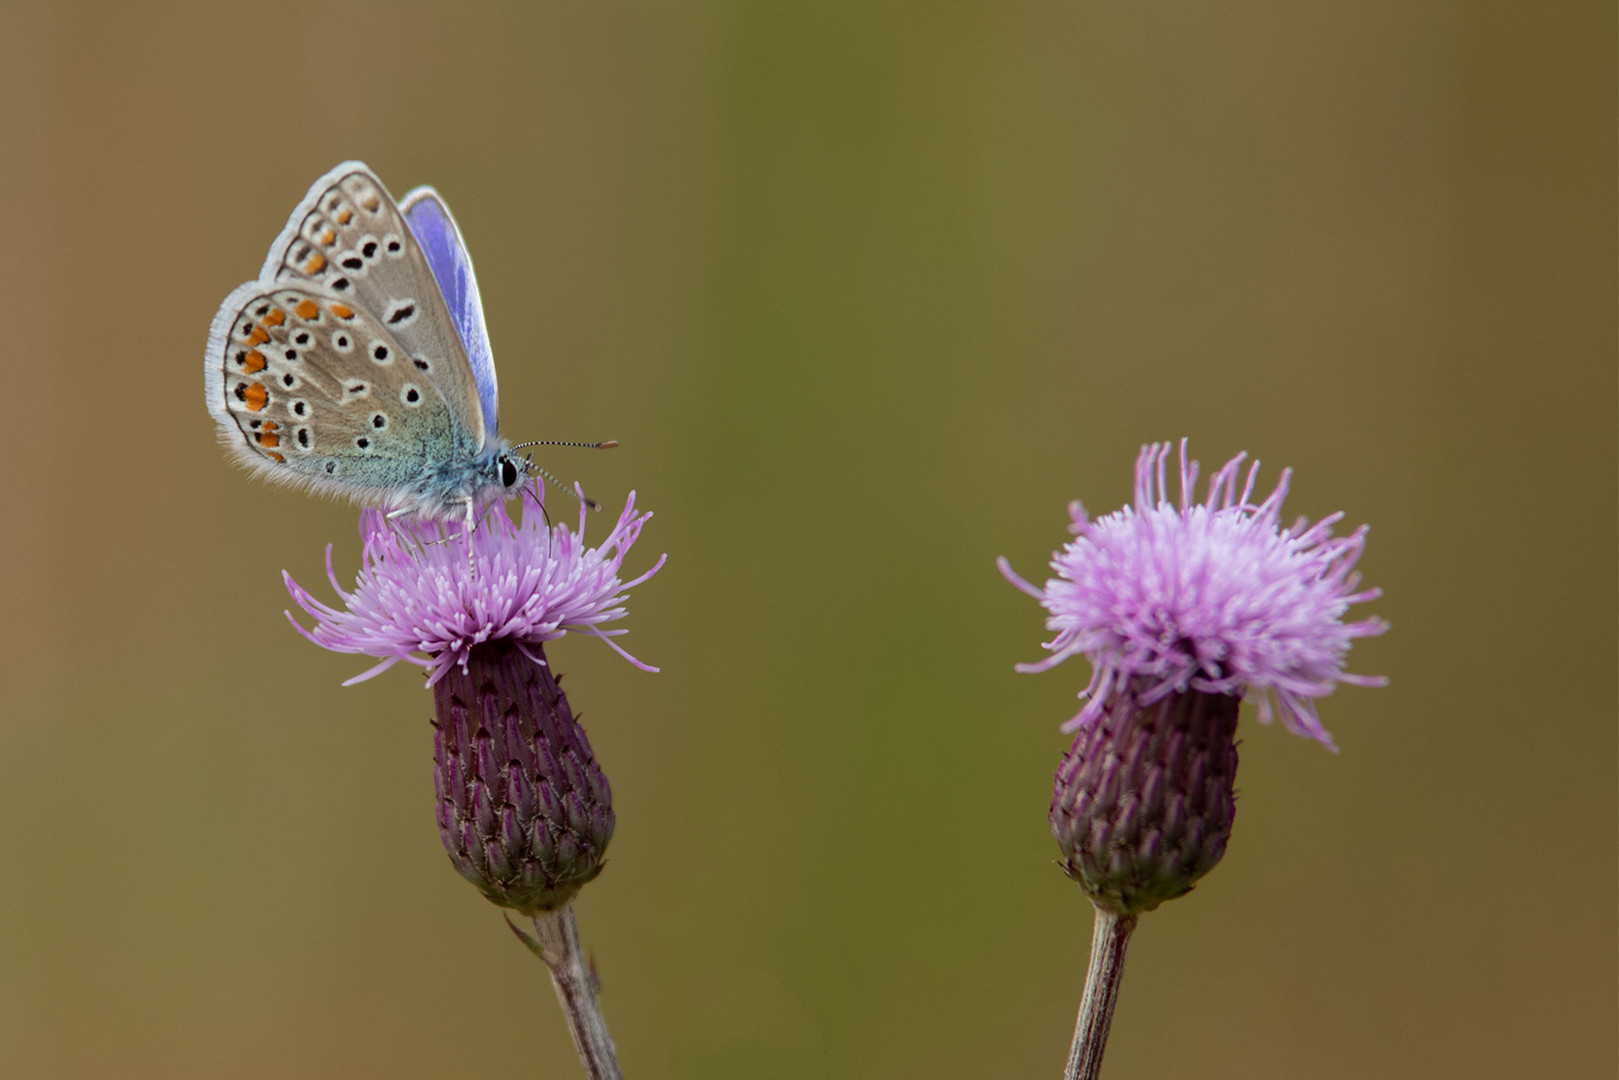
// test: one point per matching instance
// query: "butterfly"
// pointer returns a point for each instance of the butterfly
(358, 363)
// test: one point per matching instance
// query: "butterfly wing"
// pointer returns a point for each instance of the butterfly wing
(310, 389)
(348, 238)
(441, 242)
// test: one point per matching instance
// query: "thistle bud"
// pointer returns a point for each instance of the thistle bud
(1145, 798)
(523, 810)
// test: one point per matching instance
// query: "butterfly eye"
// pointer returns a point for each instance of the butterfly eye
(508, 472)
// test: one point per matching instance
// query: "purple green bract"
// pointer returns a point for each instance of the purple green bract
(1215, 596)
(419, 599)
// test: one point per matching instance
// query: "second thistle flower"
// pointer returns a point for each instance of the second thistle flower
(1184, 607)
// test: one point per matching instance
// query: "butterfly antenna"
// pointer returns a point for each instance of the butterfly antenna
(592, 503)
(606, 444)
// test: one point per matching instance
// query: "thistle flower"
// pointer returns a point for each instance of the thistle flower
(419, 599)
(524, 811)
(1182, 608)
(1213, 596)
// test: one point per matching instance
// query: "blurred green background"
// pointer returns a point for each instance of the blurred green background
(868, 292)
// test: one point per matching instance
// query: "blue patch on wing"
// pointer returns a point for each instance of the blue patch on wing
(447, 257)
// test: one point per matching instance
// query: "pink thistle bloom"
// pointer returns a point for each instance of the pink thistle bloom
(417, 597)
(1213, 596)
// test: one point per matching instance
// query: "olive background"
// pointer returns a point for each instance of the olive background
(868, 292)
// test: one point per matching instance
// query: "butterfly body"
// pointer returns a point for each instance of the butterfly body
(358, 363)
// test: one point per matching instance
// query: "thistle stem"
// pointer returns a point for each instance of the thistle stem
(1109, 938)
(558, 935)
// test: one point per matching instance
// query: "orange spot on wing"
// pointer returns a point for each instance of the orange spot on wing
(258, 336)
(371, 203)
(307, 310)
(270, 425)
(342, 311)
(316, 263)
(256, 397)
(275, 318)
(253, 362)
(328, 238)
(268, 438)
(344, 216)
(273, 456)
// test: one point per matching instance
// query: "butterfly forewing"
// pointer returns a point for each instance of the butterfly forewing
(322, 393)
(349, 240)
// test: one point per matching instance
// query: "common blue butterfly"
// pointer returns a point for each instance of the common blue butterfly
(358, 364)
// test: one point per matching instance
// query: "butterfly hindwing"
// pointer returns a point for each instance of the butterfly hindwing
(349, 239)
(436, 231)
(321, 394)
